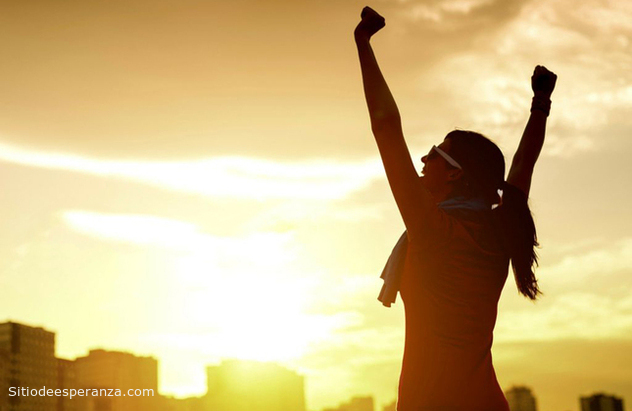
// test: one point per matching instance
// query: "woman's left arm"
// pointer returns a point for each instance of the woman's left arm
(416, 205)
(523, 163)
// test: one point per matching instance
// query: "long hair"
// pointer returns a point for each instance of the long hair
(484, 175)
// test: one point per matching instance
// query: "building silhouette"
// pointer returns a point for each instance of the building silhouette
(116, 370)
(4, 380)
(168, 403)
(601, 402)
(390, 407)
(66, 378)
(355, 404)
(29, 358)
(520, 398)
(237, 385)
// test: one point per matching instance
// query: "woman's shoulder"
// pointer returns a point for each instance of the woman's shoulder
(476, 229)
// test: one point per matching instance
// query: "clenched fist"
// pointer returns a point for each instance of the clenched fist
(543, 81)
(371, 23)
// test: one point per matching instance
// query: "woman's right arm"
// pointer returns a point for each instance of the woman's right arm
(523, 163)
(416, 205)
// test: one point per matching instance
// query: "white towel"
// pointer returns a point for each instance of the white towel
(392, 272)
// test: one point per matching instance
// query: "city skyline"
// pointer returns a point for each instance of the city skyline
(195, 180)
(245, 377)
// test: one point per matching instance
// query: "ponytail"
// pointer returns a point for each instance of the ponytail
(484, 173)
(520, 239)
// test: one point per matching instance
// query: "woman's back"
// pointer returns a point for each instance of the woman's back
(450, 292)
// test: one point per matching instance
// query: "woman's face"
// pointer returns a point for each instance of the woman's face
(437, 173)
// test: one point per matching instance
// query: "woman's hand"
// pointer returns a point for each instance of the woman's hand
(543, 81)
(371, 23)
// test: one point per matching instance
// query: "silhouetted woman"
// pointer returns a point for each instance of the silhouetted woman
(460, 236)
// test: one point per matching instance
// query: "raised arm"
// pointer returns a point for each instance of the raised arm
(413, 200)
(521, 171)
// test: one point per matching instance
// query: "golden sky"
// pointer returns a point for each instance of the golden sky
(196, 180)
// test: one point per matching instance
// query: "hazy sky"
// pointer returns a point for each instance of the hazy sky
(197, 180)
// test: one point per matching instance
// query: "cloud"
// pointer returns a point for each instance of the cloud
(236, 177)
(266, 250)
(578, 315)
(460, 15)
(297, 214)
(136, 229)
(478, 77)
(592, 265)
(587, 295)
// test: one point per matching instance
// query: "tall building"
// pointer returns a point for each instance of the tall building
(601, 402)
(390, 407)
(237, 385)
(355, 404)
(66, 379)
(116, 370)
(167, 403)
(521, 398)
(31, 365)
(4, 380)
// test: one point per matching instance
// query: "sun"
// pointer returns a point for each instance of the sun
(253, 306)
